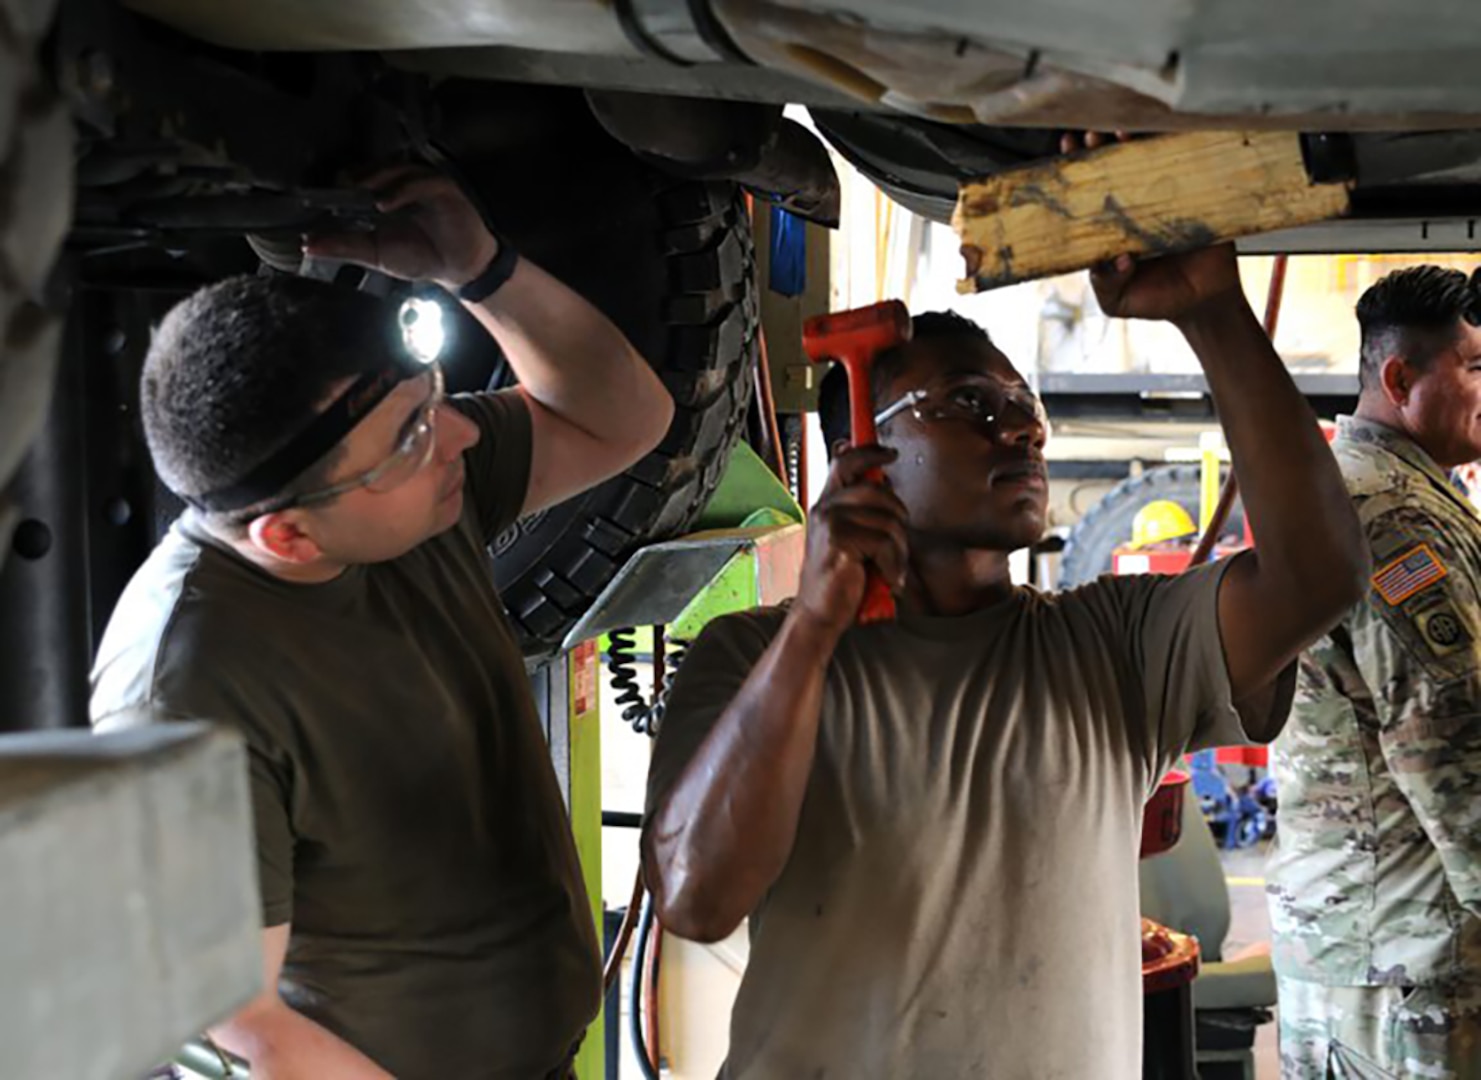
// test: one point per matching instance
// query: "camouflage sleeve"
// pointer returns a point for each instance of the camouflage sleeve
(1417, 642)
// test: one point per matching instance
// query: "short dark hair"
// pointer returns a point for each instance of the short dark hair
(833, 410)
(239, 368)
(1413, 313)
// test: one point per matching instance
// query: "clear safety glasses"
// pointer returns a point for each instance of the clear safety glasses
(975, 399)
(414, 449)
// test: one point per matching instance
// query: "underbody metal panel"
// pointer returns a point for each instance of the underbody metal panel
(1123, 64)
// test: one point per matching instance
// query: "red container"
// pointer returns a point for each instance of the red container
(1162, 820)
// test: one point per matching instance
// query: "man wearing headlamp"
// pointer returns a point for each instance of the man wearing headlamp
(328, 595)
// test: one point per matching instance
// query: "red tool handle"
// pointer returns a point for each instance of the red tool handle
(879, 602)
(854, 338)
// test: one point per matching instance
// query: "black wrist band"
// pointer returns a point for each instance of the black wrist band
(499, 270)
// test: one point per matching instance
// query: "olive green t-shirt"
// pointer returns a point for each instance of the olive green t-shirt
(961, 897)
(409, 824)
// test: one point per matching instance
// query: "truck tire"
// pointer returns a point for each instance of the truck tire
(1094, 539)
(36, 176)
(672, 263)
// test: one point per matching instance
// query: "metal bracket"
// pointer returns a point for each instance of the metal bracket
(657, 584)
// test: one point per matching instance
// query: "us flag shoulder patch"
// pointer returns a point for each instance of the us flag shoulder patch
(1412, 571)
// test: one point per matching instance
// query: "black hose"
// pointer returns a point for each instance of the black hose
(635, 992)
(621, 659)
(643, 716)
(674, 653)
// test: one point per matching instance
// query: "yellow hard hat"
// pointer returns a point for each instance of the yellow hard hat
(1160, 520)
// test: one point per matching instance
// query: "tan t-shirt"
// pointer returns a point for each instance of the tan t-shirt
(961, 900)
(409, 824)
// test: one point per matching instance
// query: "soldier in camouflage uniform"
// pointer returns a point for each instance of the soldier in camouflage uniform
(1375, 885)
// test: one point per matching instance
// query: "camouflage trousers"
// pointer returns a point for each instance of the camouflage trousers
(1379, 1032)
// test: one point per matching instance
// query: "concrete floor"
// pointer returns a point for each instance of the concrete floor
(1250, 924)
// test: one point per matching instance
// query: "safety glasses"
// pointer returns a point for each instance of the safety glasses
(969, 398)
(414, 449)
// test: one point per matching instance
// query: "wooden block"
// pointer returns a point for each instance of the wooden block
(1147, 197)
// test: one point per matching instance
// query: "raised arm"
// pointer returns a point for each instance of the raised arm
(596, 406)
(1310, 563)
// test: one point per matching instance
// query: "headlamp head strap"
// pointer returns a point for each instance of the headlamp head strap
(291, 460)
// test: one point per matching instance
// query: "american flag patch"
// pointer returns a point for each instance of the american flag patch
(1412, 571)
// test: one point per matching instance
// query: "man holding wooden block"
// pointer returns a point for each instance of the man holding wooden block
(933, 823)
